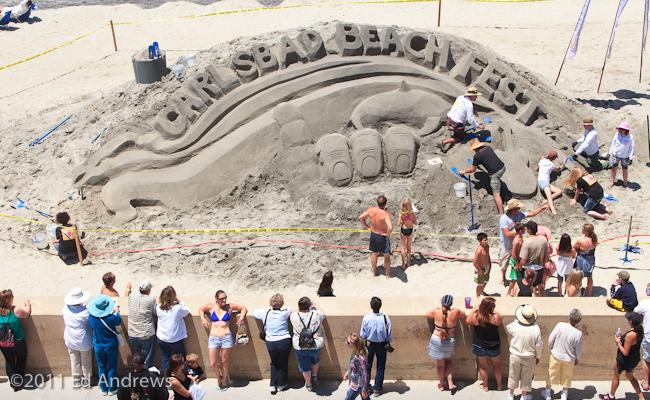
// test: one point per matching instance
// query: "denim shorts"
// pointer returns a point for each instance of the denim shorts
(224, 342)
(543, 184)
(479, 351)
(590, 204)
(307, 358)
(645, 350)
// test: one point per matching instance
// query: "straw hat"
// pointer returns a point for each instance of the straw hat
(101, 306)
(476, 144)
(512, 204)
(526, 314)
(472, 91)
(75, 297)
(588, 121)
(624, 125)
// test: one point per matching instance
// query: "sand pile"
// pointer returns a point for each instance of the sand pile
(294, 129)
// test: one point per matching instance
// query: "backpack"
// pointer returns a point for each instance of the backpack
(142, 393)
(7, 338)
(306, 339)
(141, 388)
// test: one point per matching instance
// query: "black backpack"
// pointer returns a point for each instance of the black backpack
(306, 339)
(7, 338)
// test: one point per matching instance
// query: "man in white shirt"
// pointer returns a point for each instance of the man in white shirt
(461, 114)
(644, 309)
(546, 168)
(587, 145)
(565, 344)
(525, 350)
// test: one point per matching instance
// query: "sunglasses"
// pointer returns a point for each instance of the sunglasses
(222, 298)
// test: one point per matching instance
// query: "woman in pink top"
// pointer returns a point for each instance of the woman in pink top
(406, 222)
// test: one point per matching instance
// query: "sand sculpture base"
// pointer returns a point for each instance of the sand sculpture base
(342, 105)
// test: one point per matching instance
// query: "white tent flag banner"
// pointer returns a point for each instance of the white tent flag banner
(573, 46)
(619, 11)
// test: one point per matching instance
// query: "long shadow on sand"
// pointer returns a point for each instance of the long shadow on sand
(629, 94)
(610, 104)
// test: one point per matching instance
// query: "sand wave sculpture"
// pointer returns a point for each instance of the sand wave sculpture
(351, 104)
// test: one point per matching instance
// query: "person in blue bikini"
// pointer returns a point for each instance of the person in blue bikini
(216, 317)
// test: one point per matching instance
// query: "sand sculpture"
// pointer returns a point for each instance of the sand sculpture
(350, 105)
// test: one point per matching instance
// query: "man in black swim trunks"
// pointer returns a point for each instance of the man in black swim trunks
(380, 228)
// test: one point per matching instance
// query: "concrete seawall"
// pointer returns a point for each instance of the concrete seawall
(411, 332)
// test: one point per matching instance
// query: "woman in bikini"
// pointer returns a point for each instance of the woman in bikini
(442, 343)
(585, 249)
(406, 222)
(216, 317)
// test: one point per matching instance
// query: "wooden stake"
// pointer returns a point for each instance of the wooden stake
(647, 121)
(602, 71)
(439, 11)
(77, 242)
(557, 78)
(113, 32)
(642, 37)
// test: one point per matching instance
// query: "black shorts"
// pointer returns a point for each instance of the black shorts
(406, 231)
(457, 129)
(379, 243)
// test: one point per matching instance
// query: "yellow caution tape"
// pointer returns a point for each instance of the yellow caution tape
(211, 14)
(199, 231)
(29, 221)
(42, 53)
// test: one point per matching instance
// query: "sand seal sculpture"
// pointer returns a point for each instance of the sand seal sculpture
(343, 105)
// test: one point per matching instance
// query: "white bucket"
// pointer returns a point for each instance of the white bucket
(40, 241)
(461, 189)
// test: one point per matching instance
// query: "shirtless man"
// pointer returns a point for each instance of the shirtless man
(380, 228)
(107, 288)
(517, 243)
(481, 264)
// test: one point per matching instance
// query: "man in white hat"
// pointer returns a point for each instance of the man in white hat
(78, 337)
(492, 164)
(525, 350)
(461, 114)
(507, 221)
(142, 317)
(587, 145)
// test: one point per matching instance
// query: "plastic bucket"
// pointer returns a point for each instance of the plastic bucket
(40, 241)
(461, 189)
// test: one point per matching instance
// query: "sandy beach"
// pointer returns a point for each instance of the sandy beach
(87, 78)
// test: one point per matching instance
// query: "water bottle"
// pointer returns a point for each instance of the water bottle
(156, 50)
(618, 332)
(151, 52)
